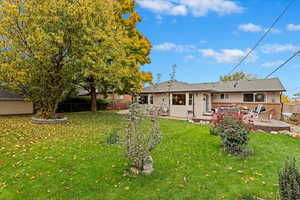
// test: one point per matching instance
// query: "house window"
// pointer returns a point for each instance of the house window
(178, 99)
(248, 98)
(256, 97)
(151, 99)
(224, 96)
(259, 97)
(143, 99)
(190, 99)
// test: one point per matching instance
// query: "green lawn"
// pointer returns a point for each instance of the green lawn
(72, 161)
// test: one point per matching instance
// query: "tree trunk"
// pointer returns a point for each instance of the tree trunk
(93, 97)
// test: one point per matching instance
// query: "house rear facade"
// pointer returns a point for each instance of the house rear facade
(181, 99)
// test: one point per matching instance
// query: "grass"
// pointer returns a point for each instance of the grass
(72, 161)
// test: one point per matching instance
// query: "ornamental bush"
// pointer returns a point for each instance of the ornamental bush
(140, 137)
(289, 181)
(234, 132)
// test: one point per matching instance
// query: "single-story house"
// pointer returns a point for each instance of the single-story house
(13, 104)
(182, 99)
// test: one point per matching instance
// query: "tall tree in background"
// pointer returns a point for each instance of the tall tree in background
(285, 99)
(237, 76)
(46, 45)
(114, 65)
(297, 96)
(39, 45)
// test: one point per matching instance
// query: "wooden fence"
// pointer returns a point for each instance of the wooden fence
(291, 108)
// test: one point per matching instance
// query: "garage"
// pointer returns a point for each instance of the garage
(12, 104)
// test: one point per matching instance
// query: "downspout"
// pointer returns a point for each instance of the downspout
(281, 105)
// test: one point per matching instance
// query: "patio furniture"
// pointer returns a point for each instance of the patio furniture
(266, 116)
(259, 109)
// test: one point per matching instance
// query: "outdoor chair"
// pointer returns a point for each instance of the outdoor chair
(266, 116)
(259, 109)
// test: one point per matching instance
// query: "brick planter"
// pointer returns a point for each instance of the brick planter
(49, 121)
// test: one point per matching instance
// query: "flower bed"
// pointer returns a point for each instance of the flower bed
(55, 118)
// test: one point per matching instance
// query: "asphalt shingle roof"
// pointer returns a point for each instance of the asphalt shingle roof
(4, 94)
(252, 85)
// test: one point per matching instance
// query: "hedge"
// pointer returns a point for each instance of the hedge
(80, 104)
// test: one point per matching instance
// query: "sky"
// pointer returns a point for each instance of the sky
(205, 38)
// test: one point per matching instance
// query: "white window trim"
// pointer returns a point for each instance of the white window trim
(226, 96)
(188, 103)
(254, 93)
(186, 98)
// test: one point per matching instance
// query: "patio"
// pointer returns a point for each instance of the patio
(270, 126)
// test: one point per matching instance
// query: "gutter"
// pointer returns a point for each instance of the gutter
(212, 91)
(11, 99)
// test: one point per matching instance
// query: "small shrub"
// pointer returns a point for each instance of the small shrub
(139, 141)
(214, 131)
(234, 132)
(216, 128)
(289, 181)
(113, 137)
(295, 118)
(249, 197)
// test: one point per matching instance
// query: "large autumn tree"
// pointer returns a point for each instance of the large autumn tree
(46, 46)
(117, 68)
(237, 76)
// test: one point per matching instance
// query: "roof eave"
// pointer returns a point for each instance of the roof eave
(12, 99)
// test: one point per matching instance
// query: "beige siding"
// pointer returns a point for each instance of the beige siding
(271, 97)
(232, 97)
(199, 104)
(15, 107)
(159, 99)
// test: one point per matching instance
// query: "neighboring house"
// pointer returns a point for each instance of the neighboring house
(118, 102)
(13, 104)
(182, 99)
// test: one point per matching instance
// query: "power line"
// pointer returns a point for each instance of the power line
(280, 66)
(263, 37)
(297, 88)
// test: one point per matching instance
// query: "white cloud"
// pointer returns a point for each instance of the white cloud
(155, 5)
(272, 64)
(168, 46)
(277, 48)
(293, 27)
(227, 55)
(179, 10)
(250, 27)
(197, 8)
